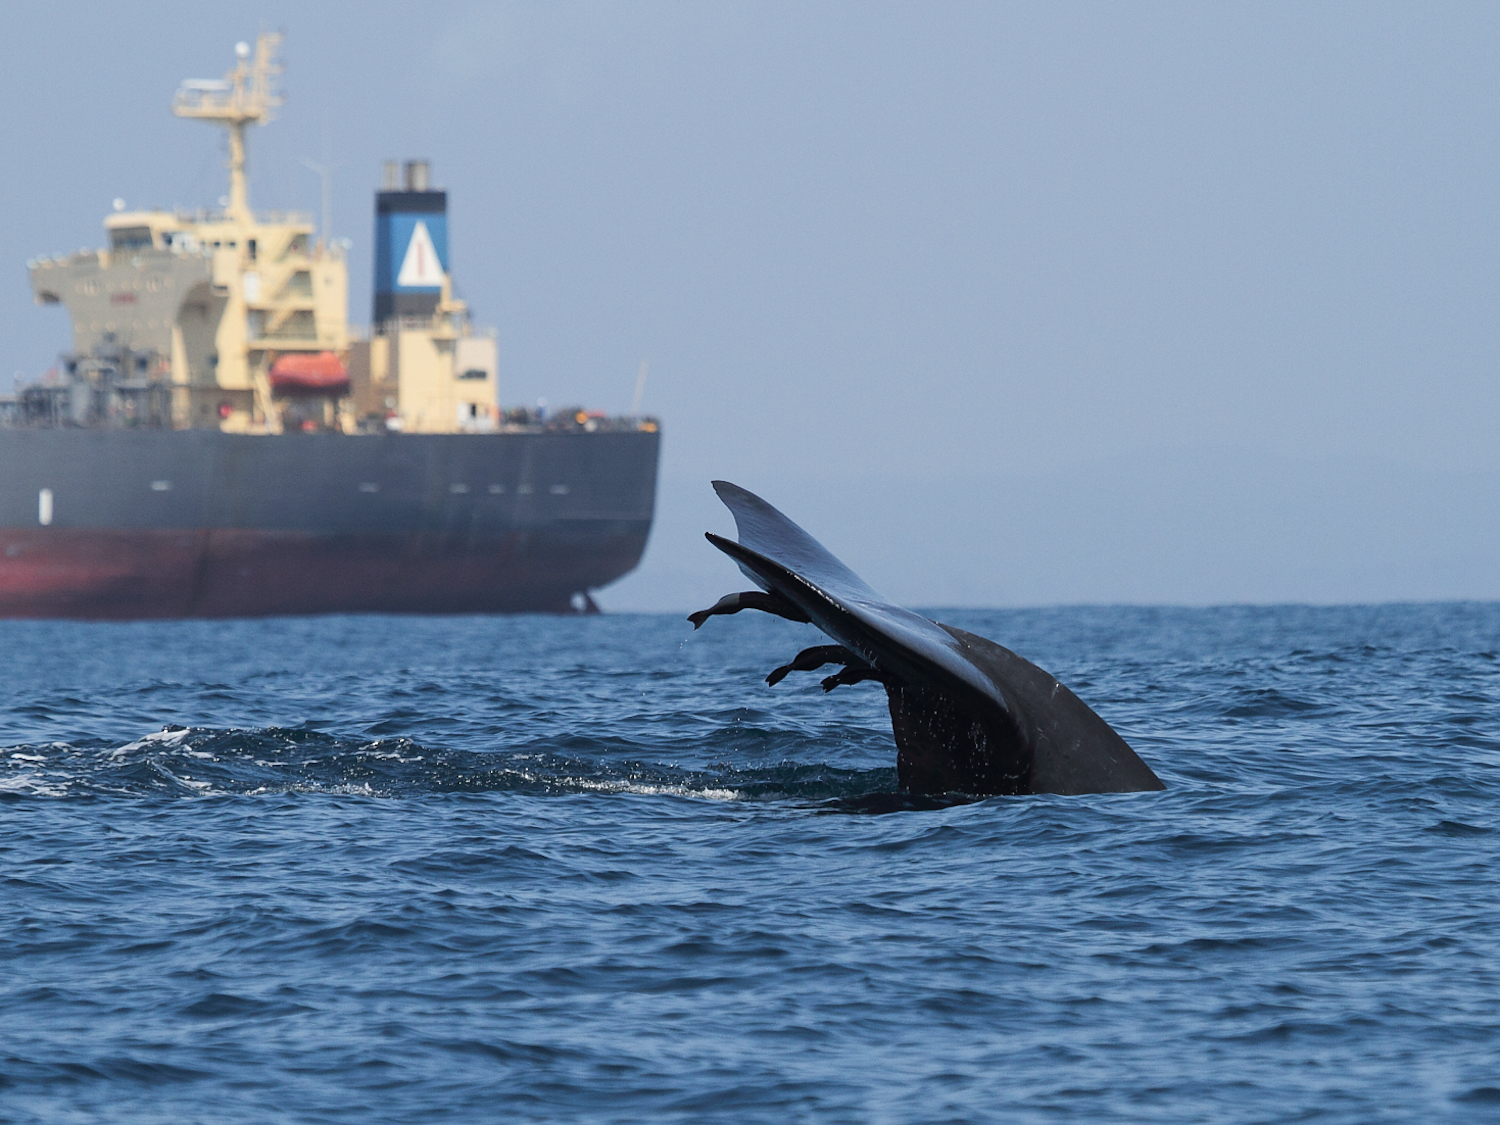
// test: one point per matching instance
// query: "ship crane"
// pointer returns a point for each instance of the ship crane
(244, 96)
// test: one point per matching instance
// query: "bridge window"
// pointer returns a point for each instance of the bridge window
(130, 238)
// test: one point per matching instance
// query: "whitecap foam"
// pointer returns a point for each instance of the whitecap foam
(642, 789)
(159, 738)
(30, 785)
(344, 789)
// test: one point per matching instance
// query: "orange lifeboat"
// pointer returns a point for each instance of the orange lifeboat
(309, 373)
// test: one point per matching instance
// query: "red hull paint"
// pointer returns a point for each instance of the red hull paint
(130, 574)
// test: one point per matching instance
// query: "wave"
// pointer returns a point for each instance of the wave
(182, 762)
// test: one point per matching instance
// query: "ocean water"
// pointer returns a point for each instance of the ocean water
(530, 869)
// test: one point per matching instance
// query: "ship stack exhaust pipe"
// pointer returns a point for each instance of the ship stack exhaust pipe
(411, 244)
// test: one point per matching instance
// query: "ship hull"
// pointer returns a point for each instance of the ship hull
(152, 524)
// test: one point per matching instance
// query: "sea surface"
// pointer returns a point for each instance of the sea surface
(381, 869)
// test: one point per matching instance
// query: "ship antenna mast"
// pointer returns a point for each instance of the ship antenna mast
(242, 97)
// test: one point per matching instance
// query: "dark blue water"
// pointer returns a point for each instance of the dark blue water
(528, 869)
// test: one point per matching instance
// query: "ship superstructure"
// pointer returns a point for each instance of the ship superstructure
(179, 320)
(423, 369)
(219, 442)
(237, 320)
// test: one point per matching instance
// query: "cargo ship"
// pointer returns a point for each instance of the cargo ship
(220, 442)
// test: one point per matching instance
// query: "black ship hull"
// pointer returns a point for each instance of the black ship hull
(121, 524)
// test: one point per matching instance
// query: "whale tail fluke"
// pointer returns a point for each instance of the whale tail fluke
(968, 715)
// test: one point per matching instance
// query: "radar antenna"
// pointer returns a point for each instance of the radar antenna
(244, 96)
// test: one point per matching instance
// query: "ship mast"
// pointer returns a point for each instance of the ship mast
(242, 97)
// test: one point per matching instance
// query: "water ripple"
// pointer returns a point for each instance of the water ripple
(382, 869)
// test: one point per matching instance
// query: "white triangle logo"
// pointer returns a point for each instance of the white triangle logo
(420, 268)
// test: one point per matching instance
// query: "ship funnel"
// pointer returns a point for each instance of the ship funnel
(411, 244)
(390, 179)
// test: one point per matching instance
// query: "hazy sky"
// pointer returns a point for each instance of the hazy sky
(1008, 303)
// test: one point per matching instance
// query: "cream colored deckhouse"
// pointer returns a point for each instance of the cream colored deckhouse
(208, 317)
